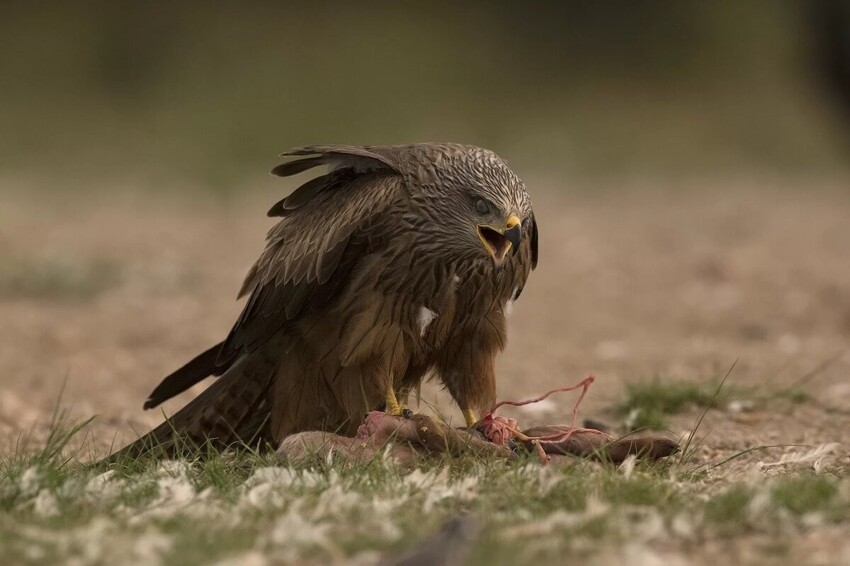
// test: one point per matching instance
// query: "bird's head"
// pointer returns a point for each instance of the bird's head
(499, 231)
(482, 206)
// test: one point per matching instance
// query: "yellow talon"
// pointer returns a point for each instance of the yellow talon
(470, 417)
(395, 408)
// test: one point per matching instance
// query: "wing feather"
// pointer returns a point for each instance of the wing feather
(325, 228)
(298, 166)
(303, 194)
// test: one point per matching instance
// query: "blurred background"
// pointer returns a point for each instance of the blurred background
(689, 163)
(195, 93)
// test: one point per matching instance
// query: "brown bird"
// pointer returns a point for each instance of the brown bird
(399, 263)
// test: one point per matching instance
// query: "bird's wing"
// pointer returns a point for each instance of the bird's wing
(326, 225)
(308, 254)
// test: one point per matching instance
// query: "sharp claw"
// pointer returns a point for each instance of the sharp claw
(407, 413)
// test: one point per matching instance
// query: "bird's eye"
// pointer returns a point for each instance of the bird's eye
(481, 206)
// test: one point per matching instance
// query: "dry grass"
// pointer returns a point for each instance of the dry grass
(252, 507)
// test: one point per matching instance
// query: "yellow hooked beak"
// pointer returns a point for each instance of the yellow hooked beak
(499, 241)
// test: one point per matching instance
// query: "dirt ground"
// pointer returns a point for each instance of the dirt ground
(675, 283)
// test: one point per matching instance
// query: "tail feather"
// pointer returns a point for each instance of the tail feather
(234, 410)
(198, 369)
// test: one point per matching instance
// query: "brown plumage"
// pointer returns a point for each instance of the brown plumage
(398, 263)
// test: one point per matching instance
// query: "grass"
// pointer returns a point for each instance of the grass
(806, 494)
(249, 506)
(54, 509)
(727, 511)
(648, 403)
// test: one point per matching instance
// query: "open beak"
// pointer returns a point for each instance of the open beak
(499, 241)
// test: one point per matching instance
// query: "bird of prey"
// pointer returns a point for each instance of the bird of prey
(396, 264)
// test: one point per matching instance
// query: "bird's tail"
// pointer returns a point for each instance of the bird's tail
(234, 410)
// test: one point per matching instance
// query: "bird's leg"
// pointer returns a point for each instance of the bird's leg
(469, 417)
(393, 407)
(391, 402)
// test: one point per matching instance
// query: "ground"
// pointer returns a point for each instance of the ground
(102, 296)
